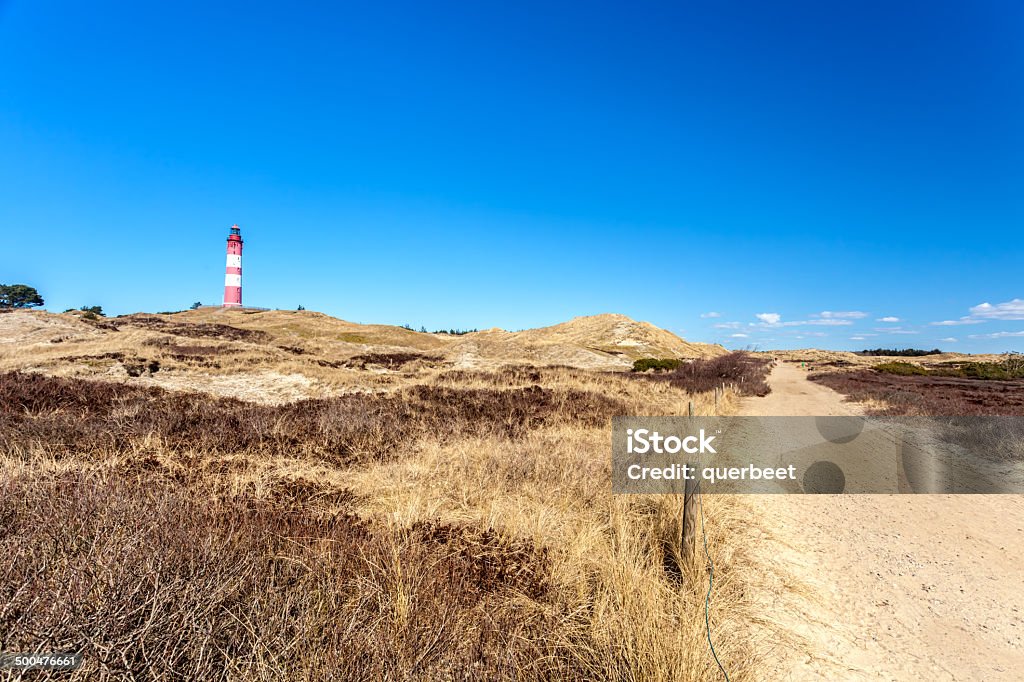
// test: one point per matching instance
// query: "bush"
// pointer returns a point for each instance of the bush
(991, 371)
(749, 374)
(932, 395)
(388, 360)
(154, 580)
(644, 364)
(75, 416)
(903, 369)
(985, 370)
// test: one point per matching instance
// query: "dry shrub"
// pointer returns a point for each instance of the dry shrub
(150, 580)
(927, 395)
(197, 330)
(511, 375)
(170, 345)
(68, 416)
(749, 374)
(388, 360)
(181, 536)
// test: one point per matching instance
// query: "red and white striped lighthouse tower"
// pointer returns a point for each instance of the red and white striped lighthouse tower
(233, 273)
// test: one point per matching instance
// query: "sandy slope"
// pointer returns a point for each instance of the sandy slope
(902, 587)
(291, 342)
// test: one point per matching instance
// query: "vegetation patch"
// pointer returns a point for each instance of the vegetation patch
(388, 360)
(904, 369)
(68, 417)
(748, 373)
(663, 364)
(928, 394)
(900, 353)
(198, 330)
(353, 338)
(1012, 367)
(149, 579)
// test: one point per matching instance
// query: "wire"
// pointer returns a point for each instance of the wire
(711, 577)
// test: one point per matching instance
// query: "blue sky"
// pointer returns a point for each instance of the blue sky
(757, 174)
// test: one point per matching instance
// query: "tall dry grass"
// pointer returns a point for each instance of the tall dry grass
(458, 528)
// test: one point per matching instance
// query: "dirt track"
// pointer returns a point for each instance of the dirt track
(900, 587)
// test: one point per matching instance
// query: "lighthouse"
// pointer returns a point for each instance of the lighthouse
(233, 272)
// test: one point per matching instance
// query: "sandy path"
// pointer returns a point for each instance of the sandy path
(901, 587)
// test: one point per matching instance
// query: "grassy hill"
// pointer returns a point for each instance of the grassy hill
(276, 356)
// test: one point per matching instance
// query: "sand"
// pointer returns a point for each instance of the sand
(898, 587)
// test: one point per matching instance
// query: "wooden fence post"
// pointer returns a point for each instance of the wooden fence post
(688, 525)
(689, 529)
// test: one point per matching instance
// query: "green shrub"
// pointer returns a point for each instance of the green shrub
(903, 369)
(984, 370)
(667, 364)
(992, 371)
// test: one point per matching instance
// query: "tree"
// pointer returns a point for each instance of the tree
(94, 309)
(196, 305)
(301, 307)
(19, 296)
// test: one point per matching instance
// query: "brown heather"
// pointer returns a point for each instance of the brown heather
(148, 580)
(895, 395)
(747, 373)
(440, 524)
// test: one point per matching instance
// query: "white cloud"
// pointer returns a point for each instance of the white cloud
(962, 320)
(948, 339)
(826, 322)
(843, 314)
(895, 330)
(996, 335)
(888, 318)
(1010, 310)
(738, 336)
(711, 314)
(774, 320)
(728, 325)
(857, 338)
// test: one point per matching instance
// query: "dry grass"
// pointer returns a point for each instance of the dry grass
(442, 524)
(328, 352)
